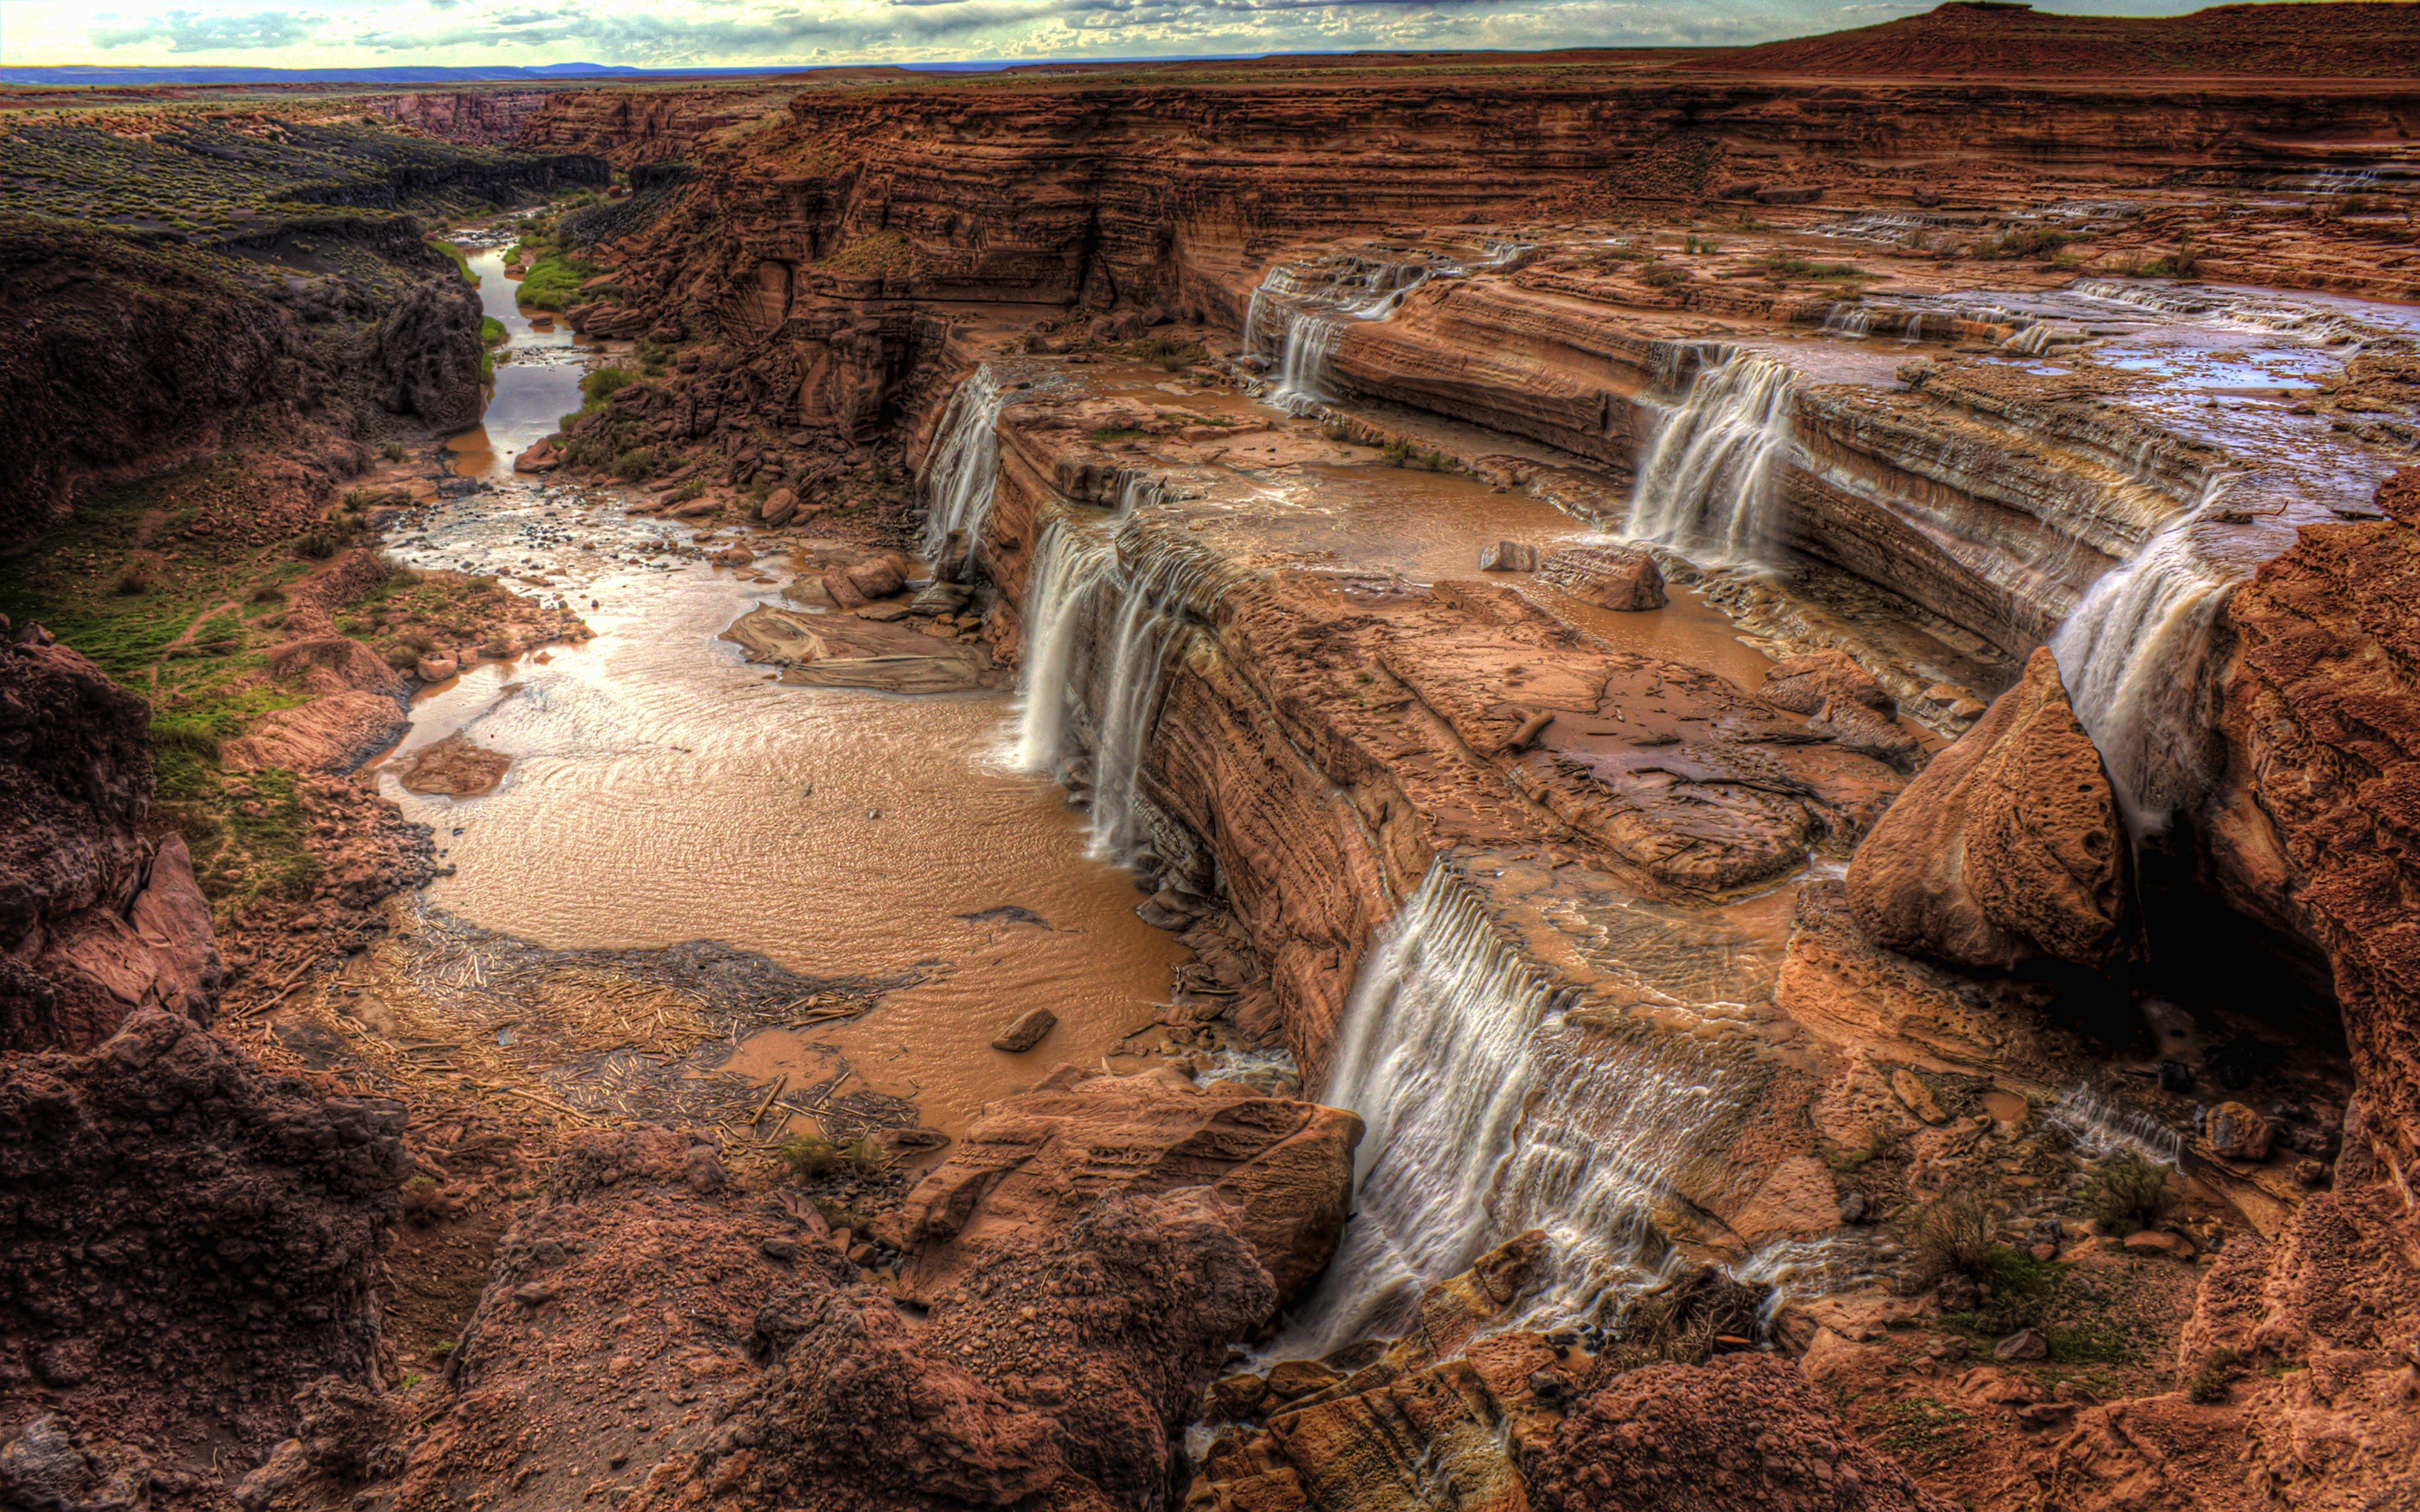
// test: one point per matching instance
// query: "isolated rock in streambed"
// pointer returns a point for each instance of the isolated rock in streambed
(538, 456)
(1621, 578)
(454, 767)
(1028, 1029)
(2008, 846)
(1032, 1160)
(1804, 684)
(428, 361)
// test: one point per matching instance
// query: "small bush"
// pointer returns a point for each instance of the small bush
(693, 488)
(1171, 352)
(1782, 266)
(1951, 1237)
(136, 581)
(423, 1203)
(402, 659)
(392, 451)
(2129, 1194)
(1663, 275)
(864, 1155)
(605, 383)
(2208, 1384)
(808, 1155)
(269, 593)
(315, 546)
(1114, 433)
(634, 464)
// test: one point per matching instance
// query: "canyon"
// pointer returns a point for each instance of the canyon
(1678, 780)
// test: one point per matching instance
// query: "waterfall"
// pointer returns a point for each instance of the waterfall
(2132, 654)
(1297, 313)
(1311, 340)
(1487, 1117)
(1154, 597)
(1848, 319)
(2100, 1129)
(1060, 588)
(1708, 478)
(965, 465)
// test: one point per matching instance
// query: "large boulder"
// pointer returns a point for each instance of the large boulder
(96, 922)
(1034, 1160)
(185, 1239)
(1621, 578)
(428, 360)
(2007, 847)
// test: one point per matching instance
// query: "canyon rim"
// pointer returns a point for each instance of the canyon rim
(1635, 780)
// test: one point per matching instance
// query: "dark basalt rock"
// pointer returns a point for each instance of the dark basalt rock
(428, 355)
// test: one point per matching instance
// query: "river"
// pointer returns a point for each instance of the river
(663, 790)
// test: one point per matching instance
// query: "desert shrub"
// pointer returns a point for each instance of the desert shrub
(2208, 1384)
(392, 451)
(1951, 1237)
(2129, 1194)
(809, 1156)
(605, 383)
(1663, 275)
(634, 464)
(424, 1203)
(136, 581)
(1782, 266)
(315, 546)
(269, 593)
(402, 659)
(1173, 353)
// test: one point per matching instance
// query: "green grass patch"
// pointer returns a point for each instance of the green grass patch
(1115, 433)
(492, 332)
(553, 282)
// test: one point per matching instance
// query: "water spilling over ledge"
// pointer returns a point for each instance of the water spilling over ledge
(1706, 483)
(1489, 1113)
(964, 467)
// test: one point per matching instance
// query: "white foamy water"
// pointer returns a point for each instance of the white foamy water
(964, 465)
(2101, 1129)
(1486, 1118)
(2132, 656)
(1706, 484)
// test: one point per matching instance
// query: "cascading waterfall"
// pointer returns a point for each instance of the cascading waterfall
(1853, 320)
(1486, 1118)
(1154, 598)
(1297, 313)
(1071, 561)
(1311, 340)
(2132, 656)
(2101, 1129)
(965, 464)
(1068, 565)
(1708, 478)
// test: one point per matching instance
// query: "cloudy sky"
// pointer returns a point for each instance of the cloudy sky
(691, 33)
